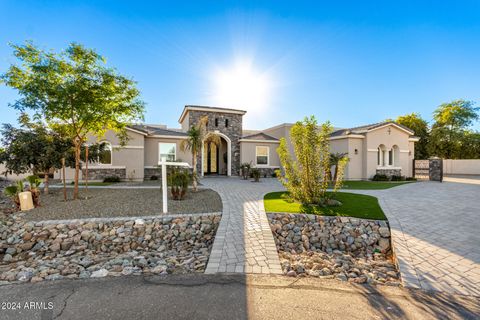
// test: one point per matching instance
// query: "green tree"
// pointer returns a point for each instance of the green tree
(32, 148)
(307, 176)
(75, 93)
(335, 160)
(420, 127)
(196, 136)
(450, 128)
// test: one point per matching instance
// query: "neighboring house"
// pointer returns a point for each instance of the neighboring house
(385, 147)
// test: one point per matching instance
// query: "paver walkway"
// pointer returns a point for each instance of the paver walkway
(244, 242)
(436, 234)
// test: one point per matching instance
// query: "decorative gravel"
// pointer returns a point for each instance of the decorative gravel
(100, 203)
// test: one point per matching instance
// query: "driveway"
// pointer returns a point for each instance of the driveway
(436, 233)
(222, 296)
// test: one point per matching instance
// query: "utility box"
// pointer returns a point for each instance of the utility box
(26, 201)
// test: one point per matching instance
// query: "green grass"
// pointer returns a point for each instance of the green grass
(372, 185)
(353, 205)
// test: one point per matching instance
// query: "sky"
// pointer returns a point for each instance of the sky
(351, 63)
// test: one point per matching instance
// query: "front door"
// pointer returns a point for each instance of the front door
(210, 156)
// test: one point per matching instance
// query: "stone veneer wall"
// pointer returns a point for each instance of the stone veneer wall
(390, 172)
(233, 131)
(267, 172)
(101, 173)
(149, 172)
(36, 251)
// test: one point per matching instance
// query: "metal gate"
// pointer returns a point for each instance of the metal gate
(431, 169)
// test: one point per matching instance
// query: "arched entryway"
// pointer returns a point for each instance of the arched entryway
(216, 157)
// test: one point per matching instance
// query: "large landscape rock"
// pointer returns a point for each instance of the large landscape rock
(349, 249)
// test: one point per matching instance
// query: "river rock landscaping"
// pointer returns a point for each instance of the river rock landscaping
(349, 249)
(37, 251)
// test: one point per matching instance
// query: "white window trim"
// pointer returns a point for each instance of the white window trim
(268, 156)
(159, 150)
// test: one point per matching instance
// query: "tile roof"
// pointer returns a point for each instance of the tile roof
(260, 136)
(366, 128)
(155, 130)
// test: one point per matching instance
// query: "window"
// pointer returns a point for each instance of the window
(105, 156)
(262, 155)
(167, 150)
(226, 123)
(390, 157)
(216, 122)
(378, 155)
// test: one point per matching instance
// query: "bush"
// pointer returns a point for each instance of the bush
(154, 177)
(397, 178)
(274, 174)
(179, 180)
(411, 179)
(245, 168)
(256, 174)
(380, 177)
(111, 179)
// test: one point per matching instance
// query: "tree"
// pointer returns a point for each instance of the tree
(196, 136)
(419, 126)
(335, 159)
(75, 93)
(306, 178)
(451, 125)
(32, 148)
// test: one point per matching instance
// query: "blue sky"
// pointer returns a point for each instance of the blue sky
(351, 63)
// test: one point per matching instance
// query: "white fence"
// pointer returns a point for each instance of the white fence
(460, 167)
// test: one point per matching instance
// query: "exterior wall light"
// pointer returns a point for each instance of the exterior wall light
(356, 151)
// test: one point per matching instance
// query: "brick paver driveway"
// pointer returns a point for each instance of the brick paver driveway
(436, 234)
(244, 241)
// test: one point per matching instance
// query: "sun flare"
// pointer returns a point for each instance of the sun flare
(242, 87)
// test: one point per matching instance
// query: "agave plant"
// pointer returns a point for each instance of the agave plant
(245, 168)
(256, 174)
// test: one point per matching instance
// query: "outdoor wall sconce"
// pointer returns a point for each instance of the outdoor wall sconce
(356, 151)
(409, 152)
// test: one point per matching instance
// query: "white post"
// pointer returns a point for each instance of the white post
(164, 185)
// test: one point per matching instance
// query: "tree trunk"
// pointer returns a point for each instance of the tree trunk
(86, 169)
(45, 182)
(194, 163)
(77, 170)
(335, 173)
(64, 180)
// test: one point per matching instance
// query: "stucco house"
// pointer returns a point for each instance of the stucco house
(385, 147)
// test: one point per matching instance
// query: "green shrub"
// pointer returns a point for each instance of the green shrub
(245, 168)
(274, 174)
(111, 179)
(154, 177)
(179, 180)
(380, 177)
(256, 174)
(411, 179)
(397, 178)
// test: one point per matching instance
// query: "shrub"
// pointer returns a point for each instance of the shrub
(307, 177)
(397, 178)
(411, 179)
(380, 177)
(13, 191)
(111, 179)
(34, 187)
(245, 168)
(154, 177)
(274, 174)
(256, 174)
(178, 180)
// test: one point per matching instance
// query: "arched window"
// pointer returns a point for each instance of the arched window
(216, 122)
(226, 123)
(381, 155)
(395, 156)
(105, 156)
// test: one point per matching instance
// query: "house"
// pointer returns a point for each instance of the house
(386, 148)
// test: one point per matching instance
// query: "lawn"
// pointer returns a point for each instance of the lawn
(353, 205)
(372, 185)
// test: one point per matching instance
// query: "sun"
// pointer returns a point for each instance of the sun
(241, 86)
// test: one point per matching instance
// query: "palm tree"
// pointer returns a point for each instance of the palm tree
(334, 160)
(196, 136)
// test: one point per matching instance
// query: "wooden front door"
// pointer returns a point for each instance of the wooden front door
(210, 156)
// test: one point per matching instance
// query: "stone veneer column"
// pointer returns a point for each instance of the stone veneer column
(233, 132)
